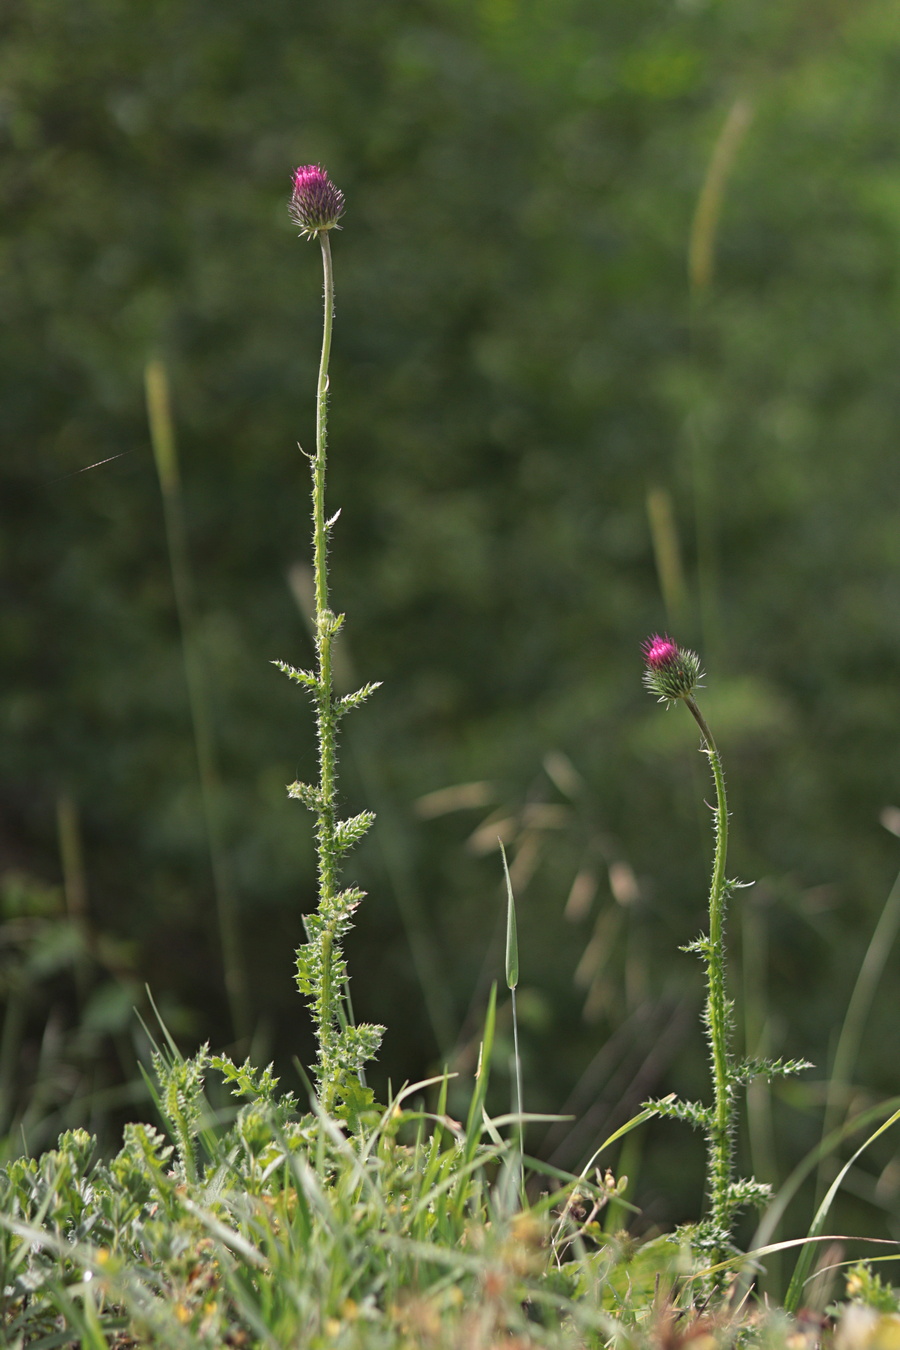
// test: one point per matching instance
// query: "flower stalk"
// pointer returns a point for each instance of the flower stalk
(718, 1007)
(674, 675)
(322, 976)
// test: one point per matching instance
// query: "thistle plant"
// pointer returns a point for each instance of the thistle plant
(674, 675)
(316, 206)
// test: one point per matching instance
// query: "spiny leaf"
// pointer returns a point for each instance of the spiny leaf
(701, 945)
(349, 832)
(355, 1045)
(346, 901)
(304, 677)
(330, 624)
(307, 794)
(351, 701)
(692, 1112)
(355, 1102)
(247, 1081)
(748, 1069)
(144, 1144)
(309, 964)
(749, 1191)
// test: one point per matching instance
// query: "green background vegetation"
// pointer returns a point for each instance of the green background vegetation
(522, 363)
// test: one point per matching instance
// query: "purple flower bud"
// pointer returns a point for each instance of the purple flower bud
(671, 673)
(316, 204)
(659, 651)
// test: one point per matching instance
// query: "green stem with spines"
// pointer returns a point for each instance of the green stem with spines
(343, 1045)
(325, 720)
(674, 675)
(720, 1132)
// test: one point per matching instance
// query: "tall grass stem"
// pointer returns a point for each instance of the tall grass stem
(850, 1039)
(512, 980)
(162, 436)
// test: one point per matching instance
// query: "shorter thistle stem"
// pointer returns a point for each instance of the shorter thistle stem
(720, 1135)
(674, 675)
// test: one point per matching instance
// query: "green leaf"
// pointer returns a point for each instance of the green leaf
(512, 941)
(304, 677)
(307, 794)
(355, 1103)
(349, 832)
(804, 1261)
(748, 1069)
(749, 1192)
(482, 1075)
(694, 1113)
(351, 701)
(355, 1046)
(701, 946)
(309, 965)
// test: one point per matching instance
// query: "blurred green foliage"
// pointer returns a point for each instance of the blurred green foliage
(521, 360)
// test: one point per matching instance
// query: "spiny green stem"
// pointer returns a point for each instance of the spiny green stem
(320, 542)
(325, 719)
(343, 1046)
(324, 617)
(720, 1133)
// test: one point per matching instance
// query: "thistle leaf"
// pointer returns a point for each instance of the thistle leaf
(749, 1191)
(307, 794)
(356, 1102)
(349, 832)
(304, 677)
(351, 701)
(346, 902)
(693, 1112)
(748, 1069)
(699, 945)
(246, 1080)
(356, 1045)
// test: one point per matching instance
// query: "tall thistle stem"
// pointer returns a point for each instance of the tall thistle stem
(720, 1135)
(343, 1049)
(325, 629)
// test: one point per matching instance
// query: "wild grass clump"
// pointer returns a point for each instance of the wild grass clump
(254, 1219)
(263, 1226)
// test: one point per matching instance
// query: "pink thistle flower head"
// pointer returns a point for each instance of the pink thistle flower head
(659, 651)
(316, 204)
(671, 672)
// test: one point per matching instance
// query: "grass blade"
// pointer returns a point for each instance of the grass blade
(804, 1261)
